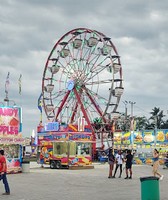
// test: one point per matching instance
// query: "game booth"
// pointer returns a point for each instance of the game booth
(11, 140)
(64, 145)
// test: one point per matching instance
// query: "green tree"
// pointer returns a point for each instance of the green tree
(157, 118)
(142, 123)
(165, 125)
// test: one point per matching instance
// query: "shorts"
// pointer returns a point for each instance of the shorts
(110, 162)
(155, 166)
(128, 166)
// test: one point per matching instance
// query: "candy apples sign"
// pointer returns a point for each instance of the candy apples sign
(10, 121)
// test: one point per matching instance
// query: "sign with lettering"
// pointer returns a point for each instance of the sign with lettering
(10, 121)
(52, 126)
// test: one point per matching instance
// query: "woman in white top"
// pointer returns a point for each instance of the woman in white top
(119, 158)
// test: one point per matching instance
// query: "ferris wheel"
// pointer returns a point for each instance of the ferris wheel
(82, 78)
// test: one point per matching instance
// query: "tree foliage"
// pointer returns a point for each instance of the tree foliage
(155, 121)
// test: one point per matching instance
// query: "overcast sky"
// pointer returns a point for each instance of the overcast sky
(139, 29)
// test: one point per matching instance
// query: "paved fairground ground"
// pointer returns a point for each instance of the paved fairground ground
(91, 184)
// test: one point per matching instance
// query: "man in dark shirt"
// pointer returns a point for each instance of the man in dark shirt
(129, 158)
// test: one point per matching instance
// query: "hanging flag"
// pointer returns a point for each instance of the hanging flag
(20, 84)
(40, 102)
(7, 84)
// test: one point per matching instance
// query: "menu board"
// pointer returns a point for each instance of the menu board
(148, 137)
(145, 138)
(138, 139)
(160, 136)
(166, 135)
(126, 138)
(117, 137)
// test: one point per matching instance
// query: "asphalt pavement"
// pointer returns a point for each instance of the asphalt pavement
(91, 184)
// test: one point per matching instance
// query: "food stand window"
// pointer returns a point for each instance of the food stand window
(11, 151)
(60, 148)
(83, 148)
(72, 148)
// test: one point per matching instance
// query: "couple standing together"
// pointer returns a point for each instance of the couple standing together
(119, 160)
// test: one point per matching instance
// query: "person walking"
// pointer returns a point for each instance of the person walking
(3, 170)
(128, 159)
(156, 164)
(119, 158)
(111, 160)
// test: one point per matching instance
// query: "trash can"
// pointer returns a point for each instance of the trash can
(25, 166)
(150, 188)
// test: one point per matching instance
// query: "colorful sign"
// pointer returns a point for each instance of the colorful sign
(64, 137)
(80, 136)
(117, 137)
(52, 126)
(138, 139)
(10, 121)
(166, 136)
(148, 137)
(11, 140)
(126, 139)
(160, 136)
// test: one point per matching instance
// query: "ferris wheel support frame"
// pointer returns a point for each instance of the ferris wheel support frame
(62, 103)
(84, 112)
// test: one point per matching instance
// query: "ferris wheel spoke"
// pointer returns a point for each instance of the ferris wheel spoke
(101, 99)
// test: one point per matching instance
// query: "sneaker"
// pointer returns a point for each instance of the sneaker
(109, 176)
(161, 178)
(126, 177)
(130, 177)
(6, 193)
(113, 176)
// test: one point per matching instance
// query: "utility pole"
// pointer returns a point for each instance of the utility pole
(132, 123)
(125, 103)
(132, 104)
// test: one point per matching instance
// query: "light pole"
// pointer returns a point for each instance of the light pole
(125, 103)
(132, 123)
(155, 129)
(132, 104)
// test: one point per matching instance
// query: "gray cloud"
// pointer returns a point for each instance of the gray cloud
(138, 29)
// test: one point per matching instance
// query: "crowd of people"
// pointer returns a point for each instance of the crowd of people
(127, 157)
(118, 160)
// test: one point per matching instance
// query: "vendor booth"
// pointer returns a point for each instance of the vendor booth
(11, 138)
(65, 147)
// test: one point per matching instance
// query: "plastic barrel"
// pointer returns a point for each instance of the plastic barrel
(25, 166)
(150, 188)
